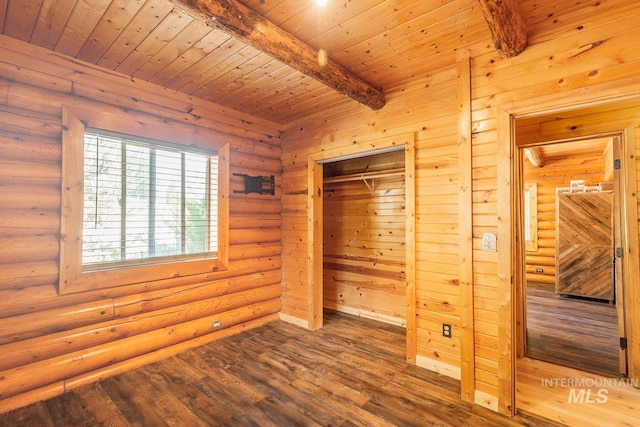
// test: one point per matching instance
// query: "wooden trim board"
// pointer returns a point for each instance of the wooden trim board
(465, 230)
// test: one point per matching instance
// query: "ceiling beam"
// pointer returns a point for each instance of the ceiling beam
(507, 26)
(535, 156)
(253, 29)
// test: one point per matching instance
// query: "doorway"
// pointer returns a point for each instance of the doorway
(572, 311)
(315, 196)
(524, 378)
(364, 237)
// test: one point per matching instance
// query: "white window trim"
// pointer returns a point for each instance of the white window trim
(72, 276)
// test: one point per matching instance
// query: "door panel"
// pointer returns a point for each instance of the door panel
(584, 232)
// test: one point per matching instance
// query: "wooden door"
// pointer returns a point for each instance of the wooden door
(584, 249)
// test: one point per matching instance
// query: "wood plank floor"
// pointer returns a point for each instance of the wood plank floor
(576, 398)
(350, 373)
(574, 332)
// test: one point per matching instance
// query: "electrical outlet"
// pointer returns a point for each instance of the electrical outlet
(446, 330)
(539, 270)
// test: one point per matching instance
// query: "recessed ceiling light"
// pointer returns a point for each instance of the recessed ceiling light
(321, 3)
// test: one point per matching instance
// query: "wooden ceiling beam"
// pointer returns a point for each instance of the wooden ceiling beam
(253, 29)
(535, 156)
(507, 26)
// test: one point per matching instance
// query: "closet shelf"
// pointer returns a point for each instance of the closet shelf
(365, 177)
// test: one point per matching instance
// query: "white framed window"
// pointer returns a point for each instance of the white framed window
(137, 210)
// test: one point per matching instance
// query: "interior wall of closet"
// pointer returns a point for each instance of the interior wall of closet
(364, 237)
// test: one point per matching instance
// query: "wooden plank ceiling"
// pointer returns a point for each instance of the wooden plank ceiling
(385, 43)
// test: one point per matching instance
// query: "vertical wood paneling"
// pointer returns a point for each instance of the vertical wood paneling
(63, 336)
(465, 229)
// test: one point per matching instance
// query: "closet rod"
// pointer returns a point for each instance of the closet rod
(366, 175)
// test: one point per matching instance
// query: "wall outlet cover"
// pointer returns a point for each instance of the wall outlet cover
(489, 242)
(446, 330)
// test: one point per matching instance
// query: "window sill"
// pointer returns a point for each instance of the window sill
(101, 279)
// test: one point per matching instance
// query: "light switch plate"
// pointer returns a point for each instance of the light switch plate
(489, 242)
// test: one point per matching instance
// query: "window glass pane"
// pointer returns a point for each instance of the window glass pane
(144, 201)
(213, 203)
(168, 217)
(137, 201)
(102, 198)
(196, 203)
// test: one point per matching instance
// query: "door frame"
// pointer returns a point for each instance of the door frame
(315, 225)
(509, 265)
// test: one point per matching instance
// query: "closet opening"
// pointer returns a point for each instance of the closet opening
(364, 236)
(354, 285)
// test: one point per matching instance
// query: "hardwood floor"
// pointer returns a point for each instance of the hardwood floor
(573, 332)
(576, 398)
(350, 373)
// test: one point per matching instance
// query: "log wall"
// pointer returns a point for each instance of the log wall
(575, 54)
(52, 342)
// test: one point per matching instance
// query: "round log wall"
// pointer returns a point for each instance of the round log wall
(52, 342)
